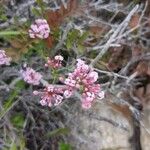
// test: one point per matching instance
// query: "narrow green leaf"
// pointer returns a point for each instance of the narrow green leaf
(58, 132)
(6, 33)
(36, 12)
(72, 37)
(41, 5)
(83, 36)
(9, 103)
(64, 146)
(17, 120)
(68, 43)
(13, 147)
(81, 49)
(22, 143)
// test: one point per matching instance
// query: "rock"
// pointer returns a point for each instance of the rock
(99, 128)
(145, 131)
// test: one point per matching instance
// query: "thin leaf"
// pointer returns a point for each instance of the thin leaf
(64, 146)
(6, 33)
(13, 147)
(36, 12)
(58, 132)
(10, 102)
(18, 120)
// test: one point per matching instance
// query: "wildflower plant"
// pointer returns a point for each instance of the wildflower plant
(50, 96)
(30, 76)
(4, 59)
(67, 58)
(82, 79)
(54, 63)
(56, 76)
(40, 29)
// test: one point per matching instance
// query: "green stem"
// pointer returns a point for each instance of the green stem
(3, 33)
(54, 74)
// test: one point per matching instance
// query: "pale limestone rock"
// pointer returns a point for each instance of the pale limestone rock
(91, 134)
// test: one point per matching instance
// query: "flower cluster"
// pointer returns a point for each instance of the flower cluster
(83, 80)
(31, 76)
(50, 96)
(40, 29)
(4, 59)
(55, 63)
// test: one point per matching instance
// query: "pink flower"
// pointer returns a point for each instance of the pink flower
(88, 96)
(101, 95)
(70, 82)
(59, 58)
(4, 59)
(55, 63)
(50, 96)
(31, 76)
(68, 93)
(40, 29)
(86, 104)
(83, 79)
(91, 77)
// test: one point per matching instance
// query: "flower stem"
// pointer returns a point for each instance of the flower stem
(3, 33)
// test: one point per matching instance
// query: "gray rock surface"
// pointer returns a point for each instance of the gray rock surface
(100, 128)
(145, 131)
